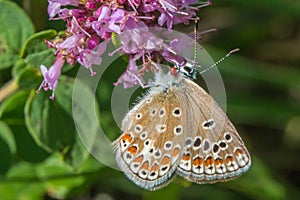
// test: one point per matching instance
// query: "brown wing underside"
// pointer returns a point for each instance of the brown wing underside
(216, 152)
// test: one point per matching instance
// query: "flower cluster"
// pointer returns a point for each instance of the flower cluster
(90, 24)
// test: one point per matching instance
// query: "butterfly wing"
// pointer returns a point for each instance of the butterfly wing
(214, 152)
(149, 149)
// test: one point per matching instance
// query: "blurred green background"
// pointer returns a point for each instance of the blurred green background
(42, 157)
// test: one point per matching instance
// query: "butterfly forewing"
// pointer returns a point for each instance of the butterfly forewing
(214, 152)
(150, 147)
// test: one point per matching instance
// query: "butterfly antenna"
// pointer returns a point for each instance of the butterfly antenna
(195, 39)
(219, 61)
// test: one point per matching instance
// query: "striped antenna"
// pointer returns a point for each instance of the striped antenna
(219, 61)
(195, 39)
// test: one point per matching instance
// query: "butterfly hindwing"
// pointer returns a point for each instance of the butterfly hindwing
(216, 152)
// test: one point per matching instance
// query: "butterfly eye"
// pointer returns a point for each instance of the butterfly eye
(187, 69)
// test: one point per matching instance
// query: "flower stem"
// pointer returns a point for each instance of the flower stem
(8, 89)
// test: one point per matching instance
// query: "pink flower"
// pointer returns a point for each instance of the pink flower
(90, 24)
(54, 6)
(131, 76)
(108, 21)
(88, 57)
(51, 76)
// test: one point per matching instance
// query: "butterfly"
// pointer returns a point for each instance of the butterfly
(177, 128)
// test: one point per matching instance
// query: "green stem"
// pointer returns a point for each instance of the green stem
(8, 89)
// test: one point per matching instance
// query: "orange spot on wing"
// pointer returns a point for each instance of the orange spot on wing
(176, 151)
(165, 161)
(219, 161)
(126, 137)
(229, 159)
(238, 152)
(155, 167)
(139, 159)
(209, 161)
(145, 165)
(186, 157)
(132, 149)
(197, 161)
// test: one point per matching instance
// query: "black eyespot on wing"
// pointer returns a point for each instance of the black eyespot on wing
(215, 148)
(208, 123)
(197, 142)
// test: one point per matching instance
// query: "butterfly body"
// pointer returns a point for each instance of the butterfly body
(178, 128)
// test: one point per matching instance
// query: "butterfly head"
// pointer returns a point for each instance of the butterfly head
(187, 70)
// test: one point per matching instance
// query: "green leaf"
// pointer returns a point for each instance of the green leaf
(7, 136)
(16, 27)
(53, 177)
(7, 147)
(29, 78)
(66, 96)
(19, 175)
(86, 114)
(58, 177)
(78, 154)
(12, 113)
(36, 53)
(36, 42)
(18, 190)
(18, 68)
(44, 57)
(22, 172)
(49, 122)
(13, 106)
